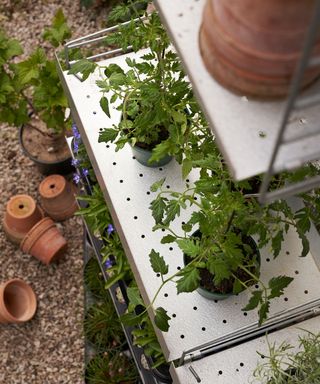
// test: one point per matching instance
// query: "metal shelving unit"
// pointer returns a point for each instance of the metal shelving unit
(246, 130)
(125, 184)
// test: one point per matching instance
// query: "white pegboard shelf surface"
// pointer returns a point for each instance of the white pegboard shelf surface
(126, 184)
(245, 129)
(236, 365)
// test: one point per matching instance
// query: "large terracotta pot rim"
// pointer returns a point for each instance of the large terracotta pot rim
(270, 56)
(245, 22)
(31, 306)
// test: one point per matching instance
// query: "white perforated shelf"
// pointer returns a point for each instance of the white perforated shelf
(236, 121)
(126, 183)
(236, 365)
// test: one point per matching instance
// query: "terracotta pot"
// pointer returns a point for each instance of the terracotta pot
(253, 47)
(22, 213)
(18, 302)
(44, 241)
(57, 197)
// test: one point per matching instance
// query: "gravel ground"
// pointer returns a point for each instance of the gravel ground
(48, 349)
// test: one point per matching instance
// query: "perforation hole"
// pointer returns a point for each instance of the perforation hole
(285, 299)
(107, 146)
(94, 112)
(133, 157)
(88, 96)
(135, 217)
(256, 286)
(267, 259)
(174, 315)
(287, 253)
(141, 174)
(241, 365)
(160, 169)
(195, 308)
(182, 336)
(187, 180)
(220, 372)
(52, 186)
(224, 321)
(158, 275)
(296, 272)
(114, 163)
(163, 229)
(142, 236)
(178, 268)
(128, 199)
(180, 14)
(203, 329)
(148, 192)
(170, 249)
(245, 314)
(121, 181)
(165, 295)
(100, 129)
(21, 206)
(306, 292)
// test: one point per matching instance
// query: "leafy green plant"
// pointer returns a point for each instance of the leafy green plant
(224, 212)
(111, 367)
(283, 365)
(32, 86)
(159, 111)
(102, 326)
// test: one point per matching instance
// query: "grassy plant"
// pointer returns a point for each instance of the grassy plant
(283, 365)
(111, 368)
(102, 326)
(93, 278)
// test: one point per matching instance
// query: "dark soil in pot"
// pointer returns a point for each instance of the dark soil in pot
(50, 155)
(225, 288)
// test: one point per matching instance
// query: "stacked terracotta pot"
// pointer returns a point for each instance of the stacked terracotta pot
(25, 224)
(252, 47)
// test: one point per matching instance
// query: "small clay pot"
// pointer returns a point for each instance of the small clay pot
(18, 302)
(57, 197)
(22, 213)
(44, 241)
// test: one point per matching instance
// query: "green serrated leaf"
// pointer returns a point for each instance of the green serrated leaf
(108, 134)
(190, 247)
(158, 207)
(189, 281)
(263, 311)
(104, 104)
(186, 167)
(130, 319)
(157, 185)
(168, 239)
(161, 319)
(278, 284)
(83, 66)
(157, 263)
(254, 301)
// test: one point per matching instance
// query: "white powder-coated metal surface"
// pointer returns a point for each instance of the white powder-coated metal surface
(236, 365)
(126, 184)
(245, 129)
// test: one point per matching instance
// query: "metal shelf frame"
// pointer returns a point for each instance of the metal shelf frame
(125, 184)
(246, 130)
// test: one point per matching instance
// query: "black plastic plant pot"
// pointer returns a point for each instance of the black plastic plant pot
(215, 295)
(162, 374)
(62, 167)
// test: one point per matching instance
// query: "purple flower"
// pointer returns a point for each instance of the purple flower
(85, 172)
(75, 162)
(75, 146)
(75, 131)
(76, 178)
(110, 229)
(108, 264)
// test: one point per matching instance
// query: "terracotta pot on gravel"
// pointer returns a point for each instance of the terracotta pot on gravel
(252, 47)
(44, 241)
(22, 213)
(18, 302)
(57, 197)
